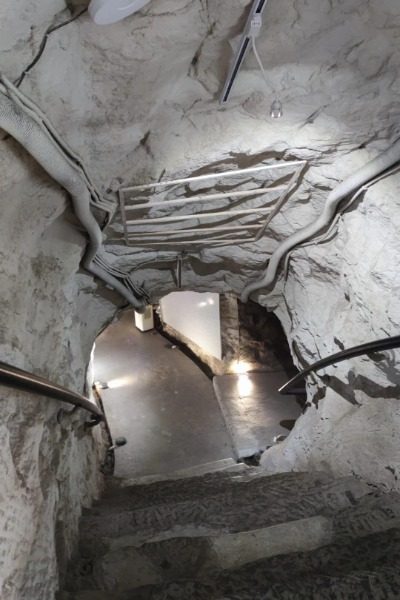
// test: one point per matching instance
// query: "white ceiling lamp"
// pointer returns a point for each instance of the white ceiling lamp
(105, 12)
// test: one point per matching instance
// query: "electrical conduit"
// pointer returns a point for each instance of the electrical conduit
(33, 135)
(372, 169)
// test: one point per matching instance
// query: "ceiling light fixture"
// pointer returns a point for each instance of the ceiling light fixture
(106, 12)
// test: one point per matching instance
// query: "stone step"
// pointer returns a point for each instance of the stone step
(85, 595)
(258, 503)
(376, 584)
(196, 471)
(167, 492)
(373, 513)
(365, 568)
(161, 492)
(126, 567)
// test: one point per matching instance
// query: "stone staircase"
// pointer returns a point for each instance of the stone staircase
(231, 532)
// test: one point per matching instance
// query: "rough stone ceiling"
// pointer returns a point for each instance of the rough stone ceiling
(140, 96)
(139, 99)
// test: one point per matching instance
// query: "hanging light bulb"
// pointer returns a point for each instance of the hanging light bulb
(276, 109)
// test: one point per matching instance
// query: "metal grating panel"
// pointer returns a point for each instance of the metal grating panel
(213, 209)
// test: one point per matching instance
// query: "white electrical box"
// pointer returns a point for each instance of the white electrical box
(145, 321)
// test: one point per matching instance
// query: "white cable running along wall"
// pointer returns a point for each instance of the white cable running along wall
(196, 316)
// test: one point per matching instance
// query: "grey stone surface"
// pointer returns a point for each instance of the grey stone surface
(195, 488)
(254, 411)
(348, 549)
(224, 509)
(162, 403)
(361, 570)
(225, 464)
(234, 550)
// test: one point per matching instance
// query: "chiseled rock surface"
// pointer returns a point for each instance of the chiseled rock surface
(338, 295)
(139, 100)
(365, 568)
(50, 313)
(279, 522)
(49, 467)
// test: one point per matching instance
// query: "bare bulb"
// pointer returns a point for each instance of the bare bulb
(276, 109)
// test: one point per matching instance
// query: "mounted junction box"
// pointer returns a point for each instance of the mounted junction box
(145, 321)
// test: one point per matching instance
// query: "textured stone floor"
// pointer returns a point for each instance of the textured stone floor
(150, 384)
(254, 410)
(239, 536)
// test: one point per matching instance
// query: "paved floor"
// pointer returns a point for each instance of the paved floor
(159, 400)
(254, 410)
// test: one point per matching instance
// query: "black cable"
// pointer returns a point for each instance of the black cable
(368, 348)
(43, 43)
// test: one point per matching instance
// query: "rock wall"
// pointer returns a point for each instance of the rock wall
(51, 313)
(338, 295)
(263, 344)
(138, 100)
(49, 463)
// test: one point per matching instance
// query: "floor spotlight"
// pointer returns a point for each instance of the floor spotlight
(102, 385)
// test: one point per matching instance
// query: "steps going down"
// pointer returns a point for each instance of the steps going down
(239, 534)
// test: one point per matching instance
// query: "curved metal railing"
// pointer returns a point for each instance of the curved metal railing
(17, 378)
(369, 347)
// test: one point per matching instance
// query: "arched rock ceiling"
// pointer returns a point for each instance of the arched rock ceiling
(140, 98)
(155, 78)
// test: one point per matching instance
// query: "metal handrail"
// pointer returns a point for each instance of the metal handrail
(376, 346)
(11, 376)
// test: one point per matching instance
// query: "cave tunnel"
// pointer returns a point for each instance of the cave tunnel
(193, 382)
(200, 303)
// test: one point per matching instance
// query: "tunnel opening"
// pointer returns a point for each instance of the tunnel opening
(194, 380)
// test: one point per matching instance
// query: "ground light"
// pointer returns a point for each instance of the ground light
(239, 367)
(244, 385)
